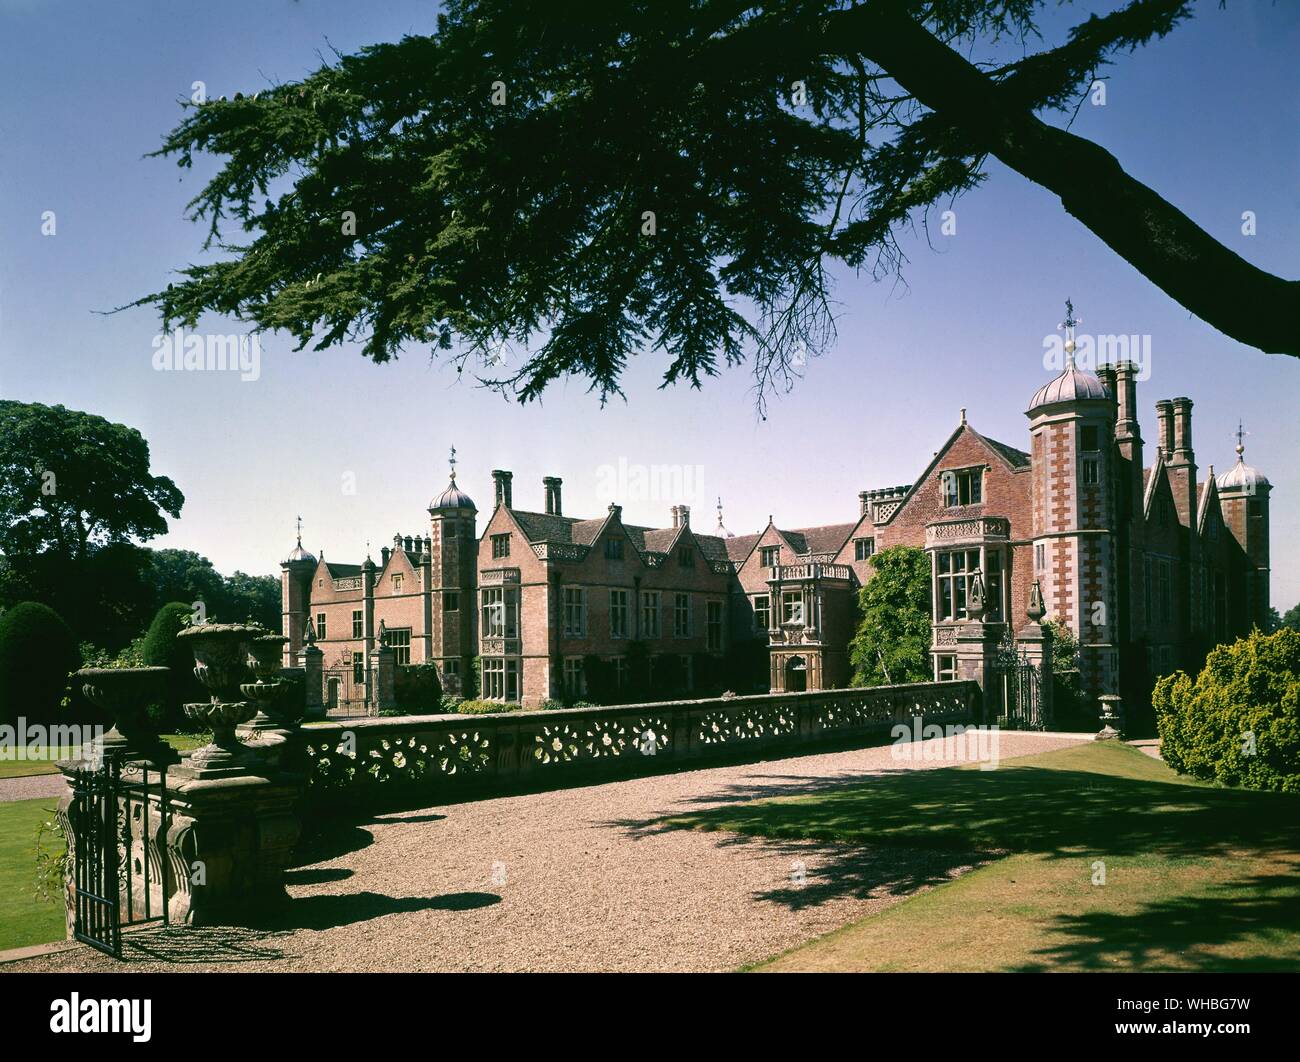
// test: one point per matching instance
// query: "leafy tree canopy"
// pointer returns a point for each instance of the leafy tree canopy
(893, 639)
(590, 180)
(71, 482)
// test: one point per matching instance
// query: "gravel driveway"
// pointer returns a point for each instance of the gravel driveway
(571, 880)
(30, 786)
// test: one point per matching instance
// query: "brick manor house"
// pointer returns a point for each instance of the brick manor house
(1146, 562)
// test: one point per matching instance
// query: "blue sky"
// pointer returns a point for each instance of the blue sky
(1208, 117)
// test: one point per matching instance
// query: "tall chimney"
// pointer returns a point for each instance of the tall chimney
(677, 516)
(1106, 374)
(1165, 434)
(1183, 430)
(502, 482)
(1126, 426)
(864, 502)
(684, 515)
(552, 485)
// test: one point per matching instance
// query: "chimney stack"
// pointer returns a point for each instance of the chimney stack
(1165, 434)
(1107, 374)
(1183, 430)
(683, 516)
(864, 502)
(552, 486)
(501, 480)
(407, 544)
(1126, 426)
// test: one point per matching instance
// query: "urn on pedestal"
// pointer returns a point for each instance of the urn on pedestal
(126, 693)
(221, 664)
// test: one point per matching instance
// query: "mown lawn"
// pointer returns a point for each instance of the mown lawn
(1195, 877)
(43, 760)
(24, 920)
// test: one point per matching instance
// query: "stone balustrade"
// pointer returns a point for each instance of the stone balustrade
(803, 572)
(445, 757)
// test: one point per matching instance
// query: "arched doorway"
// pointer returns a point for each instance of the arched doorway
(796, 675)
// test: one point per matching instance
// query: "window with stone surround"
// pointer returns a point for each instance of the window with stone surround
(399, 640)
(575, 612)
(1090, 438)
(681, 615)
(686, 557)
(450, 601)
(574, 683)
(762, 613)
(650, 614)
(953, 572)
(320, 626)
(500, 546)
(358, 623)
(792, 606)
(614, 549)
(1089, 471)
(1040, 557)
(714, 630)
(494, 679)
(397, 582)
(618, 613)
(945, 669)
(500, 612)
(863, 548)
(961, 486)
(769, 556)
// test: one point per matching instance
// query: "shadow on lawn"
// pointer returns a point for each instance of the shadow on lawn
(1262, 906)
(1017, 808)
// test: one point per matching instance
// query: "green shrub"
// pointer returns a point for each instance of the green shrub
(1239, 722)
(38, 651)
(449, 702)
(162, 648)
(486, 707)
(417, 688)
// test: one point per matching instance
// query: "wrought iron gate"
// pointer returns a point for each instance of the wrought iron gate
(118, 877)
(1020, 683)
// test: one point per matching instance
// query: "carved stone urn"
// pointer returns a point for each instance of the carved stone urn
(221, 664)
(265, 652)
(126, 693)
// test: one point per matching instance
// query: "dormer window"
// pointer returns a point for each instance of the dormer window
(769, 556)
(963, 486)
(397, 582)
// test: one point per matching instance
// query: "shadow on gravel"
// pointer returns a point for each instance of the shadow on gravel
(319, 876)
(328, 912)
(188, 945)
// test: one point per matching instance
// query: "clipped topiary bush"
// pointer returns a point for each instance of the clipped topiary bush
(38, 651)
(1239, 722)
(163, 649)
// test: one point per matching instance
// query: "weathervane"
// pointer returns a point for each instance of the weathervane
(1241, 433)
(1067, 326)
(300, 530)
(452, 461)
